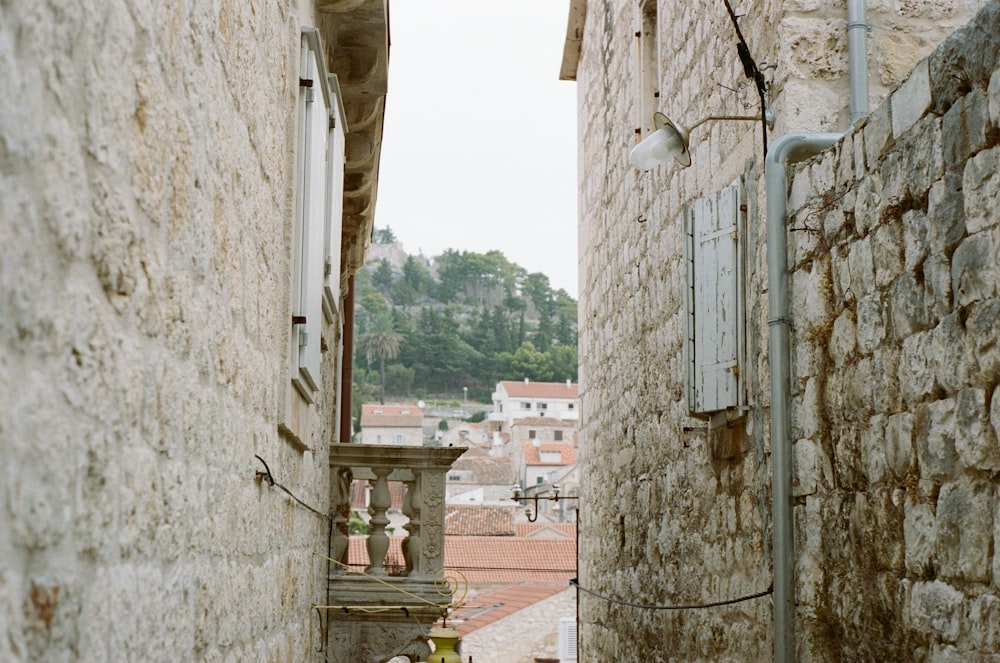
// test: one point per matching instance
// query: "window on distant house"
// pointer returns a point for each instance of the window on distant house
(400, 438)
(320, 173)
(543, 406)
(557, 435)
(570, 406)
(525, 406)
(531, 435)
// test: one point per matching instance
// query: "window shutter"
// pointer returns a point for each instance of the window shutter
(567, 640)
(715, 327)
(310, 227)
(335, 201)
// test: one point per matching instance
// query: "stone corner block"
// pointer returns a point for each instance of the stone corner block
(911, 99)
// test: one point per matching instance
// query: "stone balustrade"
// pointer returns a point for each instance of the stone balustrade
(378, 614)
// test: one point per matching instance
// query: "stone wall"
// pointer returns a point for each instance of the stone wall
(523, 636)
(672, 514)
(896, 291)
(146, 202)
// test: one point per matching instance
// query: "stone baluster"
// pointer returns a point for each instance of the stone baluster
(378, 540)
(412, 546)
(341, 517)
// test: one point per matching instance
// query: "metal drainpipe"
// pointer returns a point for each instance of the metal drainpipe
(788, 149)
(857, 57)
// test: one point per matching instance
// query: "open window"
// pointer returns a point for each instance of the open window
(320, 175)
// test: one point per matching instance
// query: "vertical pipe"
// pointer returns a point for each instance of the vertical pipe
(857, 58)
(347, 366)
(790, 147)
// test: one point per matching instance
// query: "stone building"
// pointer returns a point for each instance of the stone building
(789, 380)
(186, 191)
(392, 424)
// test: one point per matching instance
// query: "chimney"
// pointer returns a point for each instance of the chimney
(568, 383)
(525, 380)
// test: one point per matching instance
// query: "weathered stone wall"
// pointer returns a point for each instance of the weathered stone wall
(896, 366)
(523, 636)
(146, 169)
(671, 514)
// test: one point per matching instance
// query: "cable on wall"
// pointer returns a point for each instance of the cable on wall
(267, 476)
(751, 70)
(689, 606)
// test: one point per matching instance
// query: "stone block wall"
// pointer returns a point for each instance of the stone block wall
(524, 635)
(146, 199)
(895, 376)
(672, 514)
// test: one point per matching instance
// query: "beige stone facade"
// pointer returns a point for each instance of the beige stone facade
(893, 246)
(150, 191)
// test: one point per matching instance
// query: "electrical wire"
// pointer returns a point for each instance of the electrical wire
(271, 482)
(751, 70)
(690, 606)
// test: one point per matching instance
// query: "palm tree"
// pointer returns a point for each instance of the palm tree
(382, 341)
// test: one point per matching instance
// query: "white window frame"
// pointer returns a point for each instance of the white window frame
(318, 214)
(716, 302)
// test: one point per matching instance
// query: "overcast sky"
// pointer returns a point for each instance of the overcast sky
(479, 144)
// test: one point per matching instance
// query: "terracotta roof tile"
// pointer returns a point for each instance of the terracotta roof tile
(518, 389)
(359, 502)
(532, 453)
(495, 560)
(479, 520)
(543, 421)
(487, 469)
(490, 560)
(545, 530)
(489, 607)
(391, 416)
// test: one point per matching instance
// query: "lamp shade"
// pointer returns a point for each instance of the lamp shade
(669, 140)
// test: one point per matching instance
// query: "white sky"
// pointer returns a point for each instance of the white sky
(479, 143)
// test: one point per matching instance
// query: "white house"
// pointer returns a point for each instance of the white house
(392, 424)
(514, 400)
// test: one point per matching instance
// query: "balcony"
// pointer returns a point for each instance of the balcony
(374, 617)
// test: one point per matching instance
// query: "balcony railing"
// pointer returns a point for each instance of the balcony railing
(381, 613)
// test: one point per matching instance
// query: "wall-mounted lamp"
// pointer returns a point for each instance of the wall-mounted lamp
(671, 139)
(533, 514)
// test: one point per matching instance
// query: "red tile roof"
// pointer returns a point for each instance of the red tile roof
(516, 389)
(532, 454)
(486, 469)
(491, 560)
(479, 520)
(545, 530)
(497, 560)
(374, 415)
(489, 607)
(397, 493)
(544, 421)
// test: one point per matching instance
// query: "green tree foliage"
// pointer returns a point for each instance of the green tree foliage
(381, 341)
(530, 363)
(382, 277)
(383, 236)
(469, 321)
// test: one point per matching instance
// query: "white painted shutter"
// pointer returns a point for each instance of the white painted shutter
(335, 202)
(308, 296)
(567, 640)
(714, 302)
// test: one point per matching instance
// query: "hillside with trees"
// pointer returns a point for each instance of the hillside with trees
(431, 328)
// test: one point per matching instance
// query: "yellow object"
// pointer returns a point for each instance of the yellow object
(445, 640)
